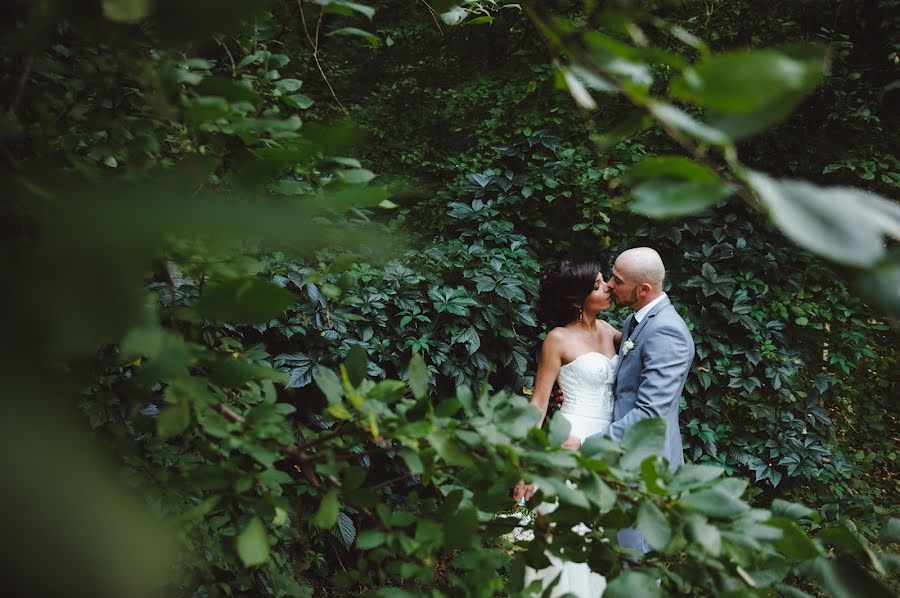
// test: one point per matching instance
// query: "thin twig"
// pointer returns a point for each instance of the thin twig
(232, 415)
(20, 87)
(315, 46)
(433, 16)
(230, 57)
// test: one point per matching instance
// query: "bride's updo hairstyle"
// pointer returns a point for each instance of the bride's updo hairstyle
(563, 286)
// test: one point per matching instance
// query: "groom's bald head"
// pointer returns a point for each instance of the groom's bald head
(637, 277)
(642, 265)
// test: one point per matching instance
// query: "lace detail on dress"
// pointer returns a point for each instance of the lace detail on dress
(586, 383)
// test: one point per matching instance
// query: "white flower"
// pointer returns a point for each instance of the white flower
(629, 345)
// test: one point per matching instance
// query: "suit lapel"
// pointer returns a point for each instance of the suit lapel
(637, 331)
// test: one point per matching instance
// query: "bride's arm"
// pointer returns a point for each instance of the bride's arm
(547, 372)
(616, 334)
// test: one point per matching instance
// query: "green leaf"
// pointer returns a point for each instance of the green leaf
(792, 510)
(708, 536)
(298, 100)
(559, 430)
(126, 11)
(677, 167)
(449, 448)
(327, 514)
(174, 419)
(682, 121)
(714, 502)
(356, 176)
(253, 543)
(662, 199)
(749, 80)
(845, 578)
(345, 7)
(646, 437)
(890, 533)
(370, 538)
(843, 224)
(248, 300)
(461, 529)
(330, 385)
(357, 364)
(373, 39)
(691, 476)
(288, 85)
(794, 543)
(632, 584)
(418, 376)
(654, 525)
(603, 448)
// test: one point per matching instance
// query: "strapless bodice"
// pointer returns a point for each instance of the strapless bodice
(586, 383)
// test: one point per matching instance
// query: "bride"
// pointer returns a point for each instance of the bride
(579, 353)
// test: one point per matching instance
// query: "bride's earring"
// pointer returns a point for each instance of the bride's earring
(580, 314)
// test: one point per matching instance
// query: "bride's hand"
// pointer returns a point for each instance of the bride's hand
(522, 490)
(572, 443)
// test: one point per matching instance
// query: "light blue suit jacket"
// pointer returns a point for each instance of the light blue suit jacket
(648, 383)
(650, 378)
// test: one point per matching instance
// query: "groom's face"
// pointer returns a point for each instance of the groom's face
(624, 292)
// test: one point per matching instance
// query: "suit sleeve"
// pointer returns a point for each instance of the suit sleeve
(667, 355)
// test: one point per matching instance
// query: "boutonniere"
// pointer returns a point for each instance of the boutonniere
(629, 345)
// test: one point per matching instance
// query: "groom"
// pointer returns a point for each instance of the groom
(655, 357)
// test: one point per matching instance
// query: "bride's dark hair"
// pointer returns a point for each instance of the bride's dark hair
(563, 285)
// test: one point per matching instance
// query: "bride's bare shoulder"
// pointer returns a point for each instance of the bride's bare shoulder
(557, 335)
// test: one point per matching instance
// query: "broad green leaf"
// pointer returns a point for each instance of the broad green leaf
(559, 430)
(288, 85)
(646, 437)
(682, 121)
(327, 514)
(373, 39)
(345, 7)
(708, 536)
(631, 584)
(748, 80)
(654, 525)
(691, 476)
(249, 300)
(126, 11)
(567, 494)
(418, 376)
(845, 578)
(253, 543)
(356, 176)
(330, 385)
(794, 543)
(370, 538)
(792, 510)
(845, 225)
(890, 533)
(461, 529)
(449, 448)
(677, 167)
(664, 198)
(603, 448)
(714, 502)
(299, 100)
(357, 364)
(174, 419)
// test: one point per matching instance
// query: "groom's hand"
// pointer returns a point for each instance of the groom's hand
(558, 398)
(572, 443)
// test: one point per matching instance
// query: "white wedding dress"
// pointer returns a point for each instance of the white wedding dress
(586, 383)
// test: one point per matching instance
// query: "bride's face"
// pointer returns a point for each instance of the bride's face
(599, 299)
